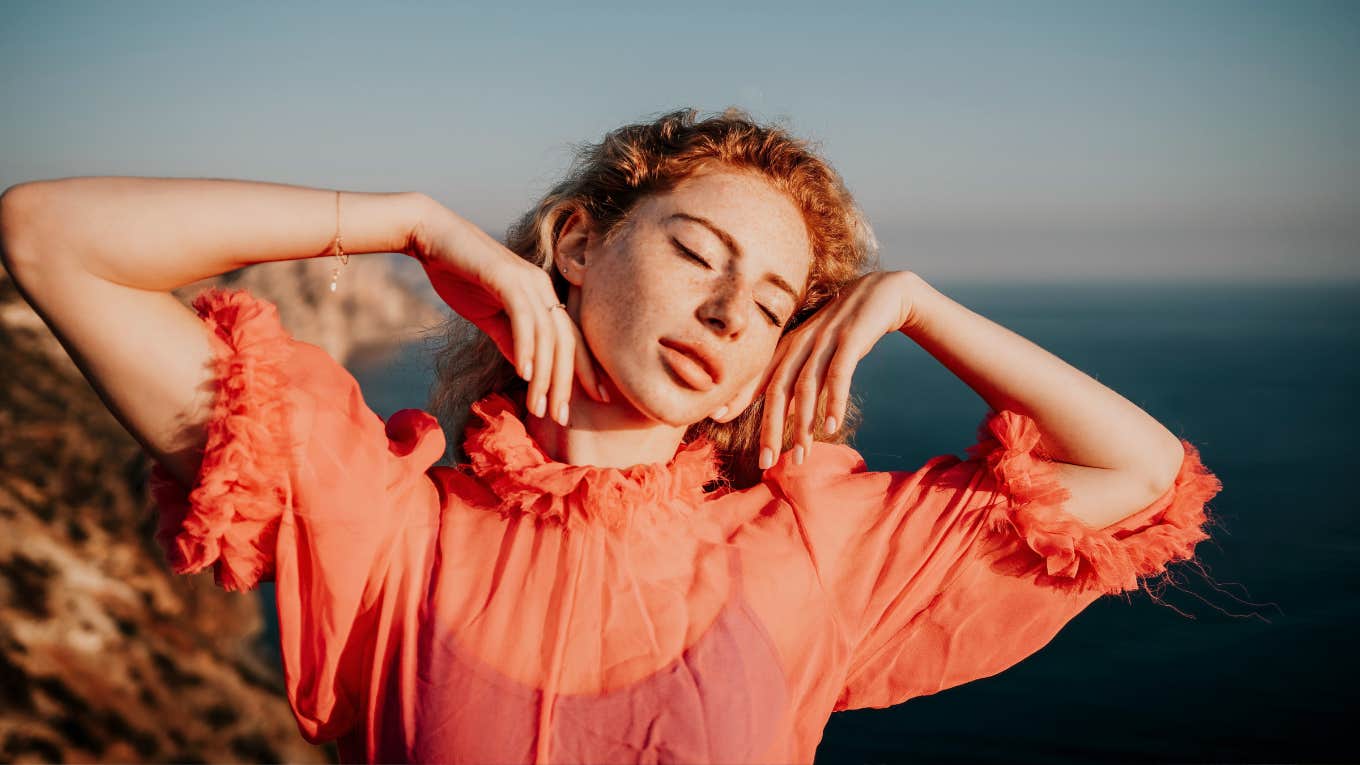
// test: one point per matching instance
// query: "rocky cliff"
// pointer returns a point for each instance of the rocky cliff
(104, 654)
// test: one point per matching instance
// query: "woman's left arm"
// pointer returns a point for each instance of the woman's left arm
(1113, 457)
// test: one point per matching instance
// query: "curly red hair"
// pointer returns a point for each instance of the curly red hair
(606, 180)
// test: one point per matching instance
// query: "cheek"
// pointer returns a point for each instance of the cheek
(635, 300)
(754, 362)
(618, 314)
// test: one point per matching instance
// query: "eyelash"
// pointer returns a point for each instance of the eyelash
(687, 252)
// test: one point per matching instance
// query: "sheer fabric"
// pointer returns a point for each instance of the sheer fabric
(517, 609)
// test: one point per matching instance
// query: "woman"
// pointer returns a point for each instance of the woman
(659, 547)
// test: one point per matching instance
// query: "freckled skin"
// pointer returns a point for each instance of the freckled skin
(640, 288)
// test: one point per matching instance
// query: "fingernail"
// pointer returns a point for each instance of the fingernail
(604, 395)
(798, 454)
(540, 406)
(766, 458)
(830, 424)
(528, 373)
(562, 414)
(721, 411)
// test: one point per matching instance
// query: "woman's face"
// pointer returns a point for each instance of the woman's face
(713, 269)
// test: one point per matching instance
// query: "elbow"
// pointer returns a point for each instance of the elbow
(17, 213)
(1163, 475)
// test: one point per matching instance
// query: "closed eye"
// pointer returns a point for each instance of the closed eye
(692, 255)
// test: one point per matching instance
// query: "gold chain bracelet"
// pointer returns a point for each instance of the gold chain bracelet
(339, 248)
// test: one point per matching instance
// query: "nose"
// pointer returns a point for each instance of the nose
(726, 312)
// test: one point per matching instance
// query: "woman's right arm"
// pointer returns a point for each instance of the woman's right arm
(97, 257)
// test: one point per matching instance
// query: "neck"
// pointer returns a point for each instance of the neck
(605, 435)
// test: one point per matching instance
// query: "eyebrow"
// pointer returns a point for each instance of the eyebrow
(735, 249)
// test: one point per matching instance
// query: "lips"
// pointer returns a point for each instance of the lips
(706, 361)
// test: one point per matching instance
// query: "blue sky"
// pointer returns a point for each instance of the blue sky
(1007, 141)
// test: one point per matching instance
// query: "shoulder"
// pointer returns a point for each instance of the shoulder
(828, 471)
(824, 461)
(829, 464)
(836, 477)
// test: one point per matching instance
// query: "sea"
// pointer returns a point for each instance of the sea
(1250, 659)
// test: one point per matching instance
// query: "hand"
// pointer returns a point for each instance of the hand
(818, 358)
(511, 300)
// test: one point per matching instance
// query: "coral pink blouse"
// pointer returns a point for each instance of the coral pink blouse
(517, 609)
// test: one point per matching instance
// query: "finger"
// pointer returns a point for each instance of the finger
(771, 413)
(564, 356)
(498, 329)
(537, 396)
(807, 387)
(807, 391)
(837, 385)
(521, 321)
(777, 397)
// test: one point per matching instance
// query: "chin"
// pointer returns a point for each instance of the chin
(665, 401)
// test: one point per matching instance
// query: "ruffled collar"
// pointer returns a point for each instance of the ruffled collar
(508, 460)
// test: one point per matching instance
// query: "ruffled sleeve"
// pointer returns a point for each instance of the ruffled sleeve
(961, 569)
(302, 484)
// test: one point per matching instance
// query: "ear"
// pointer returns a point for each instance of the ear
(573, 243)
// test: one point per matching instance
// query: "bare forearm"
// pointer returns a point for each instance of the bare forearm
(163, 233)
(1083, 421)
